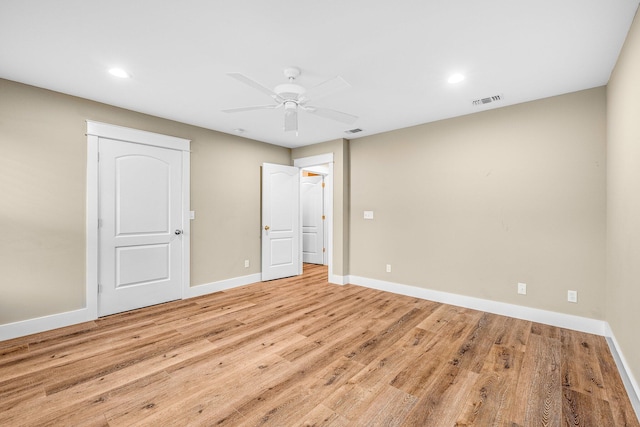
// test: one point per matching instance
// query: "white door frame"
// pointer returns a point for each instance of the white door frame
(96, 130)
(323, 159)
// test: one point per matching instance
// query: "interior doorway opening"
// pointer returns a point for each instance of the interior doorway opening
(323, 164)
(312, 205)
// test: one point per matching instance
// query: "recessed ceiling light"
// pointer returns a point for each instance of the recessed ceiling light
(239, 130)
(119, 72)
(455, 78)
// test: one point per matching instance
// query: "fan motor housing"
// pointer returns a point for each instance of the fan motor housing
(289, 91)
(290, 105)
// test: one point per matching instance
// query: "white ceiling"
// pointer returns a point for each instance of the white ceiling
(397, 56)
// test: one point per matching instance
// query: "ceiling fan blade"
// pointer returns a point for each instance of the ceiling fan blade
(255, 107)
(331, 114)
(254, 84)
(290, 119)
(326, 88)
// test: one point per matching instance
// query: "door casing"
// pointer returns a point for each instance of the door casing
(324, 159)
(96, 130)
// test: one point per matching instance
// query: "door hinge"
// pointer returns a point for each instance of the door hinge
(99, 288)
(324, 217)
(324, 249)
(323, 185)
(99, 222)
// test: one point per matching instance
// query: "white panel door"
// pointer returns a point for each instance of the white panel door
(311, 196)
(140, 220)
(280, 221)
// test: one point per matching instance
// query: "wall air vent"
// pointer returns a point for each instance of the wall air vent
(351, 131)
(487, 100)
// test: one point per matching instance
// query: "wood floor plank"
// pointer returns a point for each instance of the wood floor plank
(580, 365)
(420, 375)
(273, 402)
(206, 314)
(102, 389)
(616, 394)
(323, 416)
(388, 408)
(545, 330)
(72, 349)
(14, 350)
(441, 401)
(209, 395)
(368, 350)
(539, 389)
(351, 399)
(94, 409)
(55, 335)
(495, 390)
(397, 362)
(20, 399)
(73, 374)
(475, 347)
(302, 352)
(575, 404)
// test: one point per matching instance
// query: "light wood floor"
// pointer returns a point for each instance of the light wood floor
(300, 351)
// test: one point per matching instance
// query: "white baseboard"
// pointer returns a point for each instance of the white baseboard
(630, 383)
(54, 321)
(338, 280)
(567, 321)
(42, 324)
(208, 288)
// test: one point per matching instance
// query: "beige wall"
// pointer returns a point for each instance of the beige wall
(43, 187)
(340, 150)
(623, 199)
(476, 204)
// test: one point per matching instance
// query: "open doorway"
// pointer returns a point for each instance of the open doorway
(322, 165)
(312, 185)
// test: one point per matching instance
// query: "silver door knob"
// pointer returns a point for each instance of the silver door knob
(178, 232)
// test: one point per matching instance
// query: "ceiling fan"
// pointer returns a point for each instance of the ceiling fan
(292, 97)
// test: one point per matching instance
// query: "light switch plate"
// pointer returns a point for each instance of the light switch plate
(368, 214)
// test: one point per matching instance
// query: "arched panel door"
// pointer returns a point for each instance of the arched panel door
(140, 225)
(280, 221)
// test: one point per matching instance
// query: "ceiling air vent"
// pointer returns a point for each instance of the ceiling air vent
(351, 131)
(488, 100)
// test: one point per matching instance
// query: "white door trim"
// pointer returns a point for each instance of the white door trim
(315, 161)
(95, 130)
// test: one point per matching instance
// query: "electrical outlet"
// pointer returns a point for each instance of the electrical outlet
(572, 296)
(246, 263)
(522, 288)
(388, 268)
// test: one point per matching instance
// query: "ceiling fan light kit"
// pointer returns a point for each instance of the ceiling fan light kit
(292, 96)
